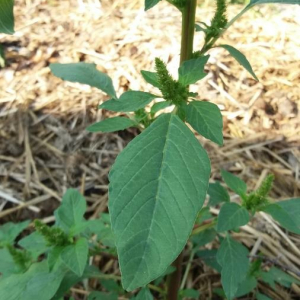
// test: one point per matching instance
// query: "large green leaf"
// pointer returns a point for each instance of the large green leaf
(129, 101)
(7, 16)
(233, 257)
(287, 213)
(241, 59)
(232, 216)
(234, 182)
(84, 73)
(75, 256)
(206, 119)
(192, 70)
(71, 211)
(150, 3)
(151, 77)
(111, 125)
(36, 283)
(157, 186)
(217, 194)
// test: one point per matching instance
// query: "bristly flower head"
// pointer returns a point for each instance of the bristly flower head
(171, 89)
(218, 22)
(259, 198)
(220, 19)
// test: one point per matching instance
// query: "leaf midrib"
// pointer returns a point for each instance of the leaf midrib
(159, 180)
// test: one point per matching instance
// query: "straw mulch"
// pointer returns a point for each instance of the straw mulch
(44, 148)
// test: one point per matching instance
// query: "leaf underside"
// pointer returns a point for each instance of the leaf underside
(157, 186)
(84, 73)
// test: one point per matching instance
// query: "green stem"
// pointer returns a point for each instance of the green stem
(199, 229)
(188, 30)
(187, 45)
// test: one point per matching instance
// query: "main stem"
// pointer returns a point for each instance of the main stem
(187, 44)
(188, 30)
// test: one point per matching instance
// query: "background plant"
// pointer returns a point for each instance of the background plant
(136, 101)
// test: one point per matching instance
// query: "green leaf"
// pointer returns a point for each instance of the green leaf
(282, 278)
(150, 3)
(287, 213)
(144, 294)
(232, 216)
(36, 283)
(199, 28)
(151, 77)
(192, 70)
(210, 258)
(203, 215)
(84, 73)
(7, 22)
(157, 186)
(189, 293)
(246, 286)
(128, 102)
(232, 256)
(102, 296)
(234, 182)
(9, 231)
(206, 119)
(7, 264)
(170, 269)
(70, 279)
(103, 231)
(158, 106)
(241, 59)
(71, 211)
(256, 2)
(34, 243)
(204, 237)
(54, 256)
(111, 125)
(217, 194)
(260, 296)
(75, 256)
(111, 286)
